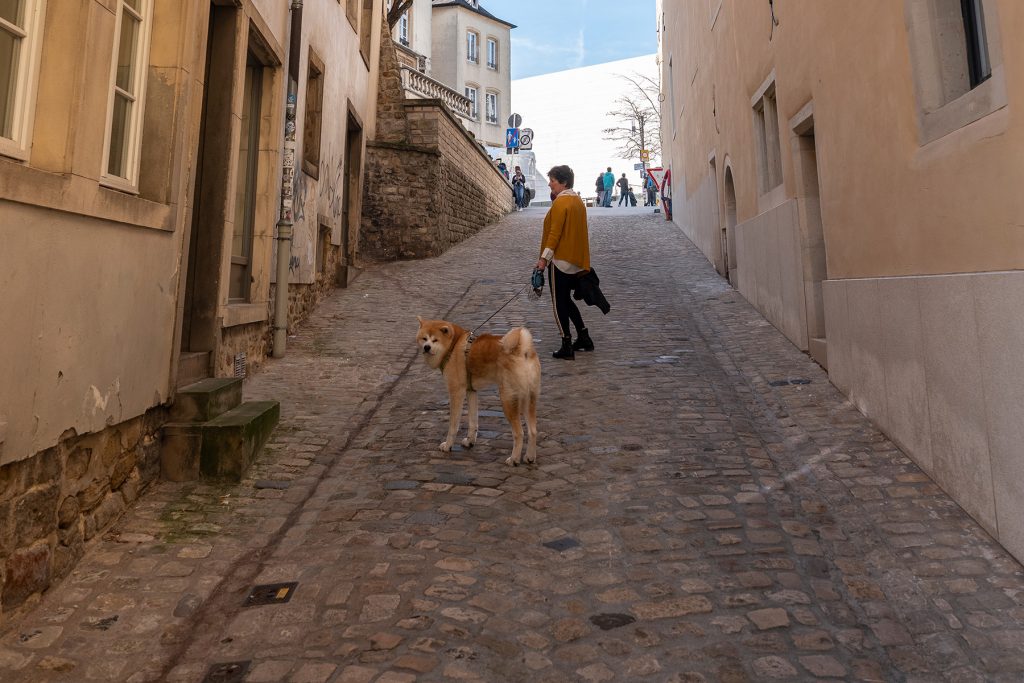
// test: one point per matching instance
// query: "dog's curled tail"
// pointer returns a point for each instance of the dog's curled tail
(518, 340)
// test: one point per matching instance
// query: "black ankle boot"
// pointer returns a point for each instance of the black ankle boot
(583, 341)
(566, 352)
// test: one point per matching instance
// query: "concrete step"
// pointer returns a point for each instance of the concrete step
(192, 367)
(221, 448)
(206, 399)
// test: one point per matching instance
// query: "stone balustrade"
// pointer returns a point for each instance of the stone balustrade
(424, 86)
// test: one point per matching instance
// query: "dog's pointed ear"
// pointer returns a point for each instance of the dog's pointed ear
(445, 330)
(419, 320)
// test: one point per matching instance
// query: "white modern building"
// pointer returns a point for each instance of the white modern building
(566, 132)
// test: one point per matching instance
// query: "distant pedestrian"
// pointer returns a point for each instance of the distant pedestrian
(651, 188)
(623, 184)
(519, 187)
(503, 168)
(609, 187)
(599, 186)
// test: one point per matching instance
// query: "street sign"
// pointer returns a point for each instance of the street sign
(512, 138)
(515, 120)
(525, 138)
(638, 167)
(658, 174)
(645, 155)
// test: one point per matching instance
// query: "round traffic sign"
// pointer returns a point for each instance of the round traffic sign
(515, 120)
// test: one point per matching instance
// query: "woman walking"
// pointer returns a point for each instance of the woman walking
(565, 253)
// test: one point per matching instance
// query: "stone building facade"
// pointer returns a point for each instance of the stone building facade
(429, 184)
(846, 166)
(141, 151)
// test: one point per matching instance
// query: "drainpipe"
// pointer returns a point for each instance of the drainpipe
(284, 224)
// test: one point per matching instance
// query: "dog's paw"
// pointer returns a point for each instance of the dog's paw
(446, 446)
(530, 458)
(467, 442)
(511, 461)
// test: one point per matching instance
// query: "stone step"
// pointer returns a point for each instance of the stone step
(222, 448)
(192, 367)
(206, 399)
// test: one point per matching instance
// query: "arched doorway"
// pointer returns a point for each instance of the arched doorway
(729, 230)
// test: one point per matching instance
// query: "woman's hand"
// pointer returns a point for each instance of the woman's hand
(541, 264)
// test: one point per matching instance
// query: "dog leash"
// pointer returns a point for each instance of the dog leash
(511, 299)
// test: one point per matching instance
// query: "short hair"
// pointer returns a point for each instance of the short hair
(609, 169)
(562, 174)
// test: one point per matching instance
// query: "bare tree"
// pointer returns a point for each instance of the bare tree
(397, 9)
(638, 118)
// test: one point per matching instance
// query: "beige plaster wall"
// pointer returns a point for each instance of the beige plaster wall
(890, 205)
(80, 294)
(347, 83)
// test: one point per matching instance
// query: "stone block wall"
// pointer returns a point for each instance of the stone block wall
(428, 183)
(53, 503)
(431, 191)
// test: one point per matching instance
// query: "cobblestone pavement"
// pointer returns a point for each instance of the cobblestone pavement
(695, 515)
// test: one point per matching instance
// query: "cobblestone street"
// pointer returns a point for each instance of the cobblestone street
(706, 507)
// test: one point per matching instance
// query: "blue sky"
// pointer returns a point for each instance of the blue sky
(554, 35)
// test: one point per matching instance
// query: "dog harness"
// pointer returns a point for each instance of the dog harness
(444, 361)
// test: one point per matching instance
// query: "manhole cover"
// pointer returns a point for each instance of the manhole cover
(785, 382)
(607, 621)
(563, 543)
(271, 594)
(229, 672)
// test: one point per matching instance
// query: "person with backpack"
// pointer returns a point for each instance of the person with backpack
(519, 188)
(609, 186)
(599, 188)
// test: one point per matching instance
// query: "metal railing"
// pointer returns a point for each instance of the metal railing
(424, 86)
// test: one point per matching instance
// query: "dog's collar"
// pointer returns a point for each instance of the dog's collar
(448, 354)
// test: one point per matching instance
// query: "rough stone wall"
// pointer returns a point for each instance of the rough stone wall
(253, 340)
(53, 503)
(428, 183)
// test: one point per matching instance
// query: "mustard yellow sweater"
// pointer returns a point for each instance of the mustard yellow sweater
(565, 231)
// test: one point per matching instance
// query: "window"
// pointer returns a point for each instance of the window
(957, 63)
(492, 53)
(766, 130)
(474, 110)
(365, 26)
(403, 29)
(127, 94)
(314, 116)
(978, 64)
(472, 54)
(492, 107)
(352, 12)
(20, 27)
(245, 185)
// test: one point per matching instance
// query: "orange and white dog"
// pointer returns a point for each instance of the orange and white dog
(467, 365)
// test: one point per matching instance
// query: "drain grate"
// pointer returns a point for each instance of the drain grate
(785, 382)
(562, 544)
(271, 594)
(228, 672)
(606, 621)
(400, 485)
(457, 478)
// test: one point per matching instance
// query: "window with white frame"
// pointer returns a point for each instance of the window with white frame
(20, 28)
(403, 29)
(492, 53)
(472, 47)
(127, 94)
(471, 93)
(492, 107)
